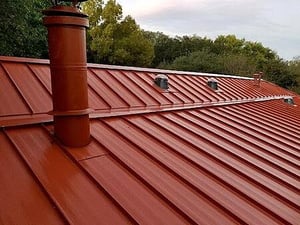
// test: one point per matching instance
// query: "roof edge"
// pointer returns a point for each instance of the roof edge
(23, 120)
(24, 60)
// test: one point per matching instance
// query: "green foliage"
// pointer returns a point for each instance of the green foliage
(94, 9)
(210, 62)
(236, 64)
(196, 61)
(224, 55)
(294, 69)
(21, 30)
(228, 45)
(167, 49)
(115, 40)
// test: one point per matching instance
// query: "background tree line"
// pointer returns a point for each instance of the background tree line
(114, 39)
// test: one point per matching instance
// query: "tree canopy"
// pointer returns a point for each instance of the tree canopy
(21, 30)
(115, 40)
(224, 55)
(294, 67)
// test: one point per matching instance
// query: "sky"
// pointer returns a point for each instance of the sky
(274, 23)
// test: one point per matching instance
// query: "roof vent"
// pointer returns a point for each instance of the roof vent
(161, 80)
(289, 100)
(212, 83)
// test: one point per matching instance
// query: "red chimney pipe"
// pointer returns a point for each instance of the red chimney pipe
(67, 52)
(257, 78)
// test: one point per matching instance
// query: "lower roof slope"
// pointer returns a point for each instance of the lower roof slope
(220, 162)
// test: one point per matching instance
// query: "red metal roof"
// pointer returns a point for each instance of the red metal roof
(118, 90)
(187, 156)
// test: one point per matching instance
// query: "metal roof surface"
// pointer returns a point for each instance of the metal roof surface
(117, 90)
(187, 156)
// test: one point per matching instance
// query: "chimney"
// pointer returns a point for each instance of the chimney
(67, 52)
(257, 78)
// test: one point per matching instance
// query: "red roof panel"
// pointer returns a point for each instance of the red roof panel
(153, 95)
(42, 72)
(187, 156)
(11, 100)
(131, 193)
(191, 204)
(78, 199)
(108, 96)
(122, 90)
(21, 195)
(35, 95)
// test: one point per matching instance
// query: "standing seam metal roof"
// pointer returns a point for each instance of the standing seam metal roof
(187, 156)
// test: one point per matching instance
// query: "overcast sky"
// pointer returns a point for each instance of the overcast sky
(274, 23)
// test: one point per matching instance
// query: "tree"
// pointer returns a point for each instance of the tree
(193, 43)
(167, 49)
(93, 8)
(236, 64)
(199, 61)
(225, 55)
(294, 68)
(228, 45)
(21, 30)
(115, 40)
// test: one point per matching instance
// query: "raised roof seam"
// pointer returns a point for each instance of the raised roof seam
(30, 120)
